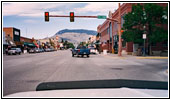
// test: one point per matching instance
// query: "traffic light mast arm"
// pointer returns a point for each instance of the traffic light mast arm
(74, 16)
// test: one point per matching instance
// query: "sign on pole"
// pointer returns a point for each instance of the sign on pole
(144, 36)
(101, 17)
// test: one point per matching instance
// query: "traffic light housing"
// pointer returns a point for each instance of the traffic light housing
(71, 16)
(46, 16)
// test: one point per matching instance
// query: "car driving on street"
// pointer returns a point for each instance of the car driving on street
(81, 50)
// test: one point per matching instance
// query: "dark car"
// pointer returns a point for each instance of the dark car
(81, 50)
(41, 50)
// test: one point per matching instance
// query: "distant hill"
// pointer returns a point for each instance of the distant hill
(88, 32)
(75, 36)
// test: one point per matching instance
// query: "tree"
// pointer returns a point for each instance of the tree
(146, 18)
(52, 43)
(62, 41)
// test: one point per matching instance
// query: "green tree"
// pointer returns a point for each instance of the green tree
(52, 43)
(146, 18)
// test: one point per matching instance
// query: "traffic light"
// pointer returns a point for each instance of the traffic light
(71, 16)
(46, 16)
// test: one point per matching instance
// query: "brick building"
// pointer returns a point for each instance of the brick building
(24, 39)
(12, 35)
(109, 32)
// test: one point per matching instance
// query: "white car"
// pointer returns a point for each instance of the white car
(92, 50)
(14, 51)
(99, 89)
(98, 93)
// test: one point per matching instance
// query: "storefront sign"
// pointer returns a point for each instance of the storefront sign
(16, 33)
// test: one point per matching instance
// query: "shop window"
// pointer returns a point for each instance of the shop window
(124, 44)
(122, 20)
(110, 32)
(115, 26)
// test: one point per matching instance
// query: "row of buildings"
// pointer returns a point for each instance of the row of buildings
(12, 38)
(107, 35)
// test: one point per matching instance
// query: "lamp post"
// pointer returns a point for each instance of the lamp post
(144, 37)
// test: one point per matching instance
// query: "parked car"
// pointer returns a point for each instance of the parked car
(18, 51)
(81, 50)
(14, 51)
(32, 51)
(37, 50)
(41, 50)
(52, 49)
(92, 50)
(47, 50)
(62, 48)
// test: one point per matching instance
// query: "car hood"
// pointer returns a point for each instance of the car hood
(107, 93)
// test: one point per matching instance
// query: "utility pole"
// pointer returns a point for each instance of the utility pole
(119, 30)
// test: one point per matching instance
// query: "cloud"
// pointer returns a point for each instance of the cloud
(38, 9)
(30, 21)
(100, 8)
(29, 9)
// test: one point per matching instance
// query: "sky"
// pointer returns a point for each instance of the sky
(29, 16)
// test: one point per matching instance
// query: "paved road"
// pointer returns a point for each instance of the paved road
(24, 72)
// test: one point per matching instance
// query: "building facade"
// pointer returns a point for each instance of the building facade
(12, 36)
(109, 32)
(14, 33)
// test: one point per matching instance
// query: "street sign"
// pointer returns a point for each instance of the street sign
(101, 17)
(144, 36)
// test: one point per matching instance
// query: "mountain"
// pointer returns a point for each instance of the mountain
(89, 32)
(75, 35)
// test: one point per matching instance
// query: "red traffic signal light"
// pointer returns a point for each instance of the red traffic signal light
(46, 16)
(71, 16)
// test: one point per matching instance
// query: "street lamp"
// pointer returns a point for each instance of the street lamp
(144, 37)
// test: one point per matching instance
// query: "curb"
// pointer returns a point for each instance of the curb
(152, 57)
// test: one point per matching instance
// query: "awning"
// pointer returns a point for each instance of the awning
(37, 45)
(29, 44)
(11, 43)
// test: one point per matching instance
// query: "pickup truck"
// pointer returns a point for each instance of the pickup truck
(81, 50)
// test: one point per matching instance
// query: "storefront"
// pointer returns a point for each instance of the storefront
(28, 46)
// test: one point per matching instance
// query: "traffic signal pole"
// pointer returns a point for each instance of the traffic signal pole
(72, 16)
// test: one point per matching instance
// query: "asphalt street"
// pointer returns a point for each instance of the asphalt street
(24, 72)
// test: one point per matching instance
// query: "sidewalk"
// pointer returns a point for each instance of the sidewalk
(125, 56)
